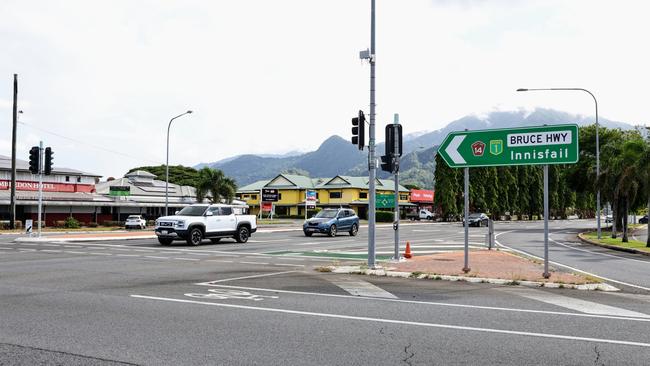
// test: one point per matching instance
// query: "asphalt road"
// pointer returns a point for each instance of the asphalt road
(134, 302)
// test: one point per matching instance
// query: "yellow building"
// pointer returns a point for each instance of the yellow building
(340, 191)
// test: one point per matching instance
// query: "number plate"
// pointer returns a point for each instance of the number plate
(164, 232)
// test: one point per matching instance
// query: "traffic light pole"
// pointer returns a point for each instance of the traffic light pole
(40, 185)
(372, 162)
(396, 169)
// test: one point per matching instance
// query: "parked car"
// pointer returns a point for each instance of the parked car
(643, 220)
(135, 222)
(419, 215)
(477, 219)
(214, 222)
(332, 221)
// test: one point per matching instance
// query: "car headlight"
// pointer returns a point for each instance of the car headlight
(156, 222)
(180, 223)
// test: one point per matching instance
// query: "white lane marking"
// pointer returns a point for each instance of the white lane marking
(25, 250)
(362, 288)
(288, 265)
(188, 259)
(269, 241)
(73, 252)
(51, 250)
(245, 277)
(253, 262)
(28, 244)
(72, 246)
(142, 250)
(50, 245)
(564, 265)
(582, 306)
(4, 248)
(424, 231)
(217, 260)
(155, 257)
(127, 255)
(93, 253)
(430, 303)
(597, 253)
(170, 252)
(199, 254)
(401, 322)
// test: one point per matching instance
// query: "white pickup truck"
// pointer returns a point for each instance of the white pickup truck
(197, 222)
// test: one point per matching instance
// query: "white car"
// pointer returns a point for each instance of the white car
(135, 222)
(197, 222)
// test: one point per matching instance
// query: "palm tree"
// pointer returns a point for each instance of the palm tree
(643, 167)
(213, 184)
(629, 179)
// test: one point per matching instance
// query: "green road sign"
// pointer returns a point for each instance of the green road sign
(540, 145)
(385, 201)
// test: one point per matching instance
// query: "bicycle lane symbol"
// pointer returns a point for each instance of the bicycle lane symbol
(225, 294)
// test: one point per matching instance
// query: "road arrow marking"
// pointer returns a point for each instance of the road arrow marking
(452, 149)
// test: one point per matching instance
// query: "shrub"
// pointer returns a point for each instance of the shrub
(93, 224)
(71, 223)
(59, 223)
(384, 216)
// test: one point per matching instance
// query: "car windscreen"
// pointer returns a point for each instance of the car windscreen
(475, 216)
(192, 211)
(327, 214)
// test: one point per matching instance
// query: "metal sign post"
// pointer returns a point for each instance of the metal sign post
(546, 213)
(466, 209)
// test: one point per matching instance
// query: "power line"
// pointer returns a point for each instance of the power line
(91, 145)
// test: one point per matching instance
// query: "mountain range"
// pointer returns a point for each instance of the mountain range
(337, 156)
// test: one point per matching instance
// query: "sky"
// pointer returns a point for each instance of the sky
(100, 80)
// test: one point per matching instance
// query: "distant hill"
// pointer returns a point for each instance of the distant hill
(338, 156)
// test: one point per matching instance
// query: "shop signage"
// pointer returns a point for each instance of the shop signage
(119, 191)
(270, 195)
(385, 200)
(47, 186)
(422, 195)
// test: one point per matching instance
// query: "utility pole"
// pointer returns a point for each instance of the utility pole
(372, 162)
(12, 209)
(40, 185)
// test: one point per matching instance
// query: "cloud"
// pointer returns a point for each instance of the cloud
(270, 77)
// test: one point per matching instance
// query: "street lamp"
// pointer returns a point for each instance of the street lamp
(167, 164)
(597, 147)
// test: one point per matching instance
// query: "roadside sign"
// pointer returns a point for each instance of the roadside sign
(270, 195)
(267, 206)
(385, 201)
(539, 145)
(29, 224)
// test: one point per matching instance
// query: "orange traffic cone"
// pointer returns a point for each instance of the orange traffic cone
(407, 253)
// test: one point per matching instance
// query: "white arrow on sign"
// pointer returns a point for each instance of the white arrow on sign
(452, 149)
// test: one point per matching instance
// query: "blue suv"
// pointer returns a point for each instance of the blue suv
(331, 221)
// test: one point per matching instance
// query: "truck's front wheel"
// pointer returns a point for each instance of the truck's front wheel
(195, 236)
(242, 234)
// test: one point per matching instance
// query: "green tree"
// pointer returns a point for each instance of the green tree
(447, 189)
(212, 183)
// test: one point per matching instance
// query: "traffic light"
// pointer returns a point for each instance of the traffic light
(359, 130)
(393, 136)
(387, 163)
(47, 168)
(34, 159)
